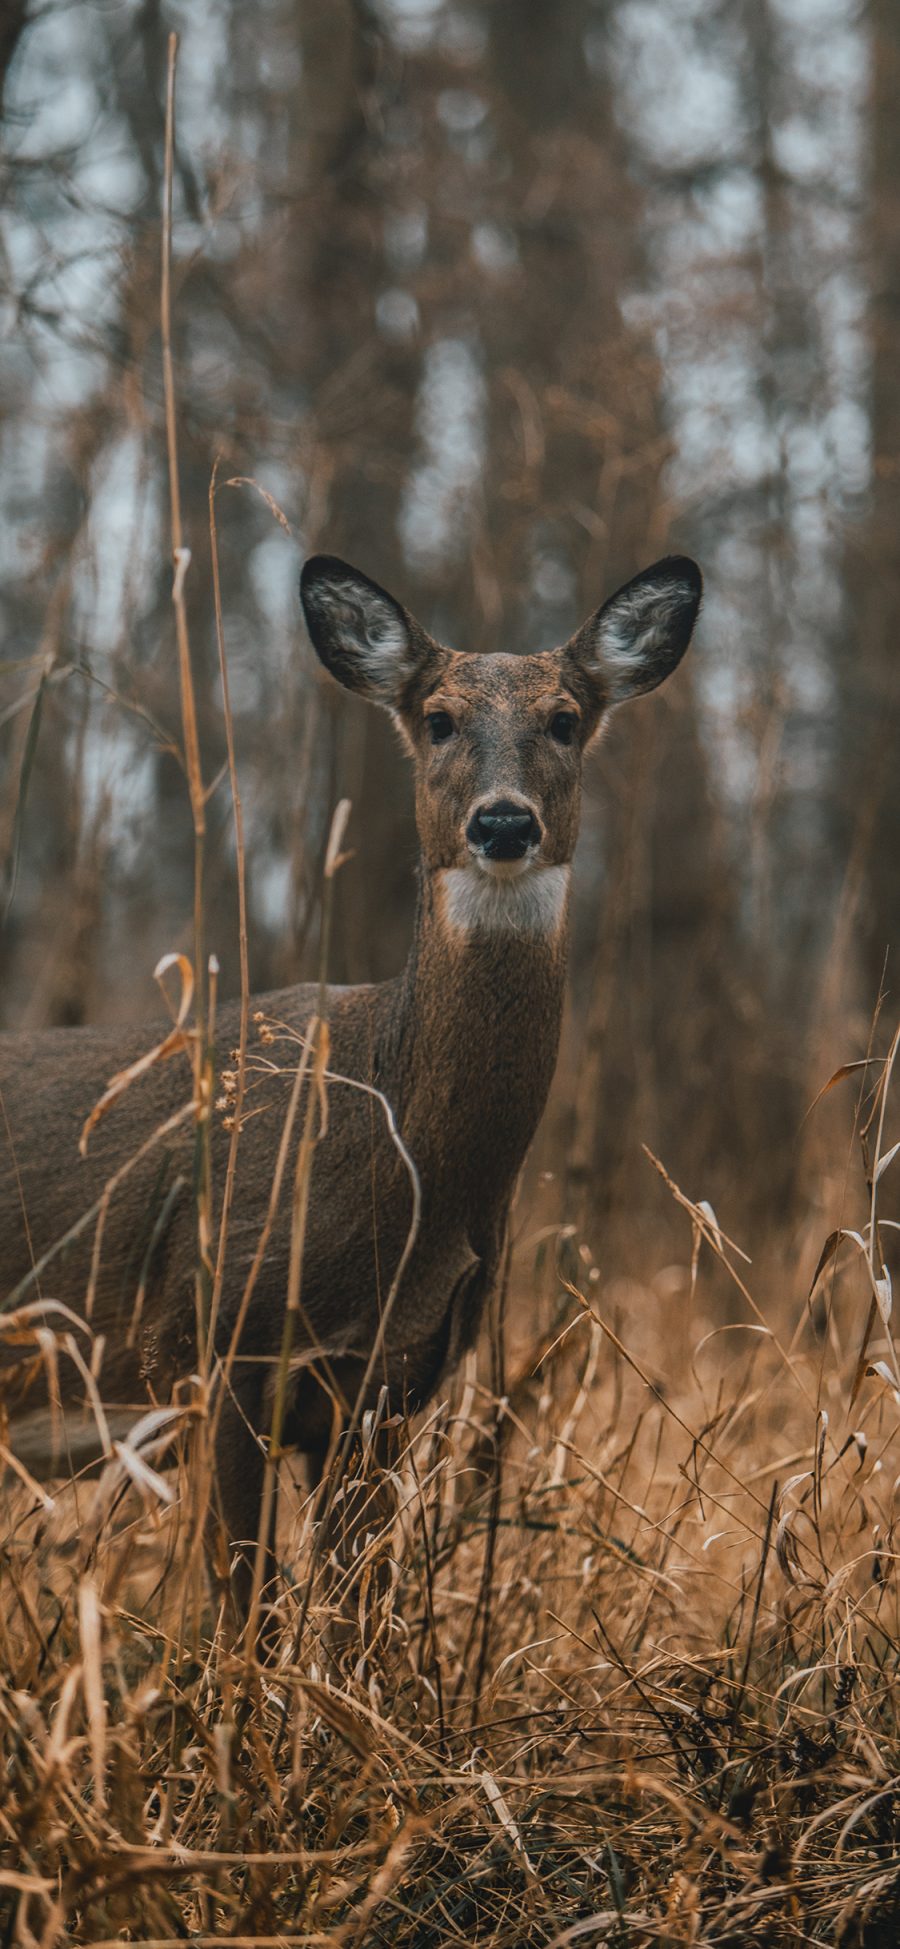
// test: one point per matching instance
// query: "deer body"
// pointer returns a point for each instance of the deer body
(462, 1045)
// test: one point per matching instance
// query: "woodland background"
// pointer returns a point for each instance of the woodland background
(500, 301)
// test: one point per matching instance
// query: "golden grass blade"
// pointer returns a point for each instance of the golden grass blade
(91, 1634)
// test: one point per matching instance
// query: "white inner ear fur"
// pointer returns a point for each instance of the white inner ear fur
(368, 627)
(634, 629)
(529, 902)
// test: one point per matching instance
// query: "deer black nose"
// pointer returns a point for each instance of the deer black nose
(503, 830)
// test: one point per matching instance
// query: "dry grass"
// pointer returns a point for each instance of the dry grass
(624, 1665)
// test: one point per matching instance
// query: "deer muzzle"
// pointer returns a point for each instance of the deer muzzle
(503, 830)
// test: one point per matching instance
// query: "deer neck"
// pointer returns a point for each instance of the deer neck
(476, 1034)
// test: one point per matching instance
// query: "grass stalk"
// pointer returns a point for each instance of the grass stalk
(243, 945)
(316, 1107)
(181, 558)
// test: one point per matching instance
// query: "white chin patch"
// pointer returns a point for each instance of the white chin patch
(502, 869)
(504, 897)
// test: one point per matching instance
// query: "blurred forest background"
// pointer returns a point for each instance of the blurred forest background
(500, 301)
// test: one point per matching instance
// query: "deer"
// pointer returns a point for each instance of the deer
(439, 1077)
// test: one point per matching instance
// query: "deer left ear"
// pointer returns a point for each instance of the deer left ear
(365, 638)
(640, 635)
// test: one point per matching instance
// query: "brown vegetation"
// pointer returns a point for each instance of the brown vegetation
(624, 1669)
(447, 287)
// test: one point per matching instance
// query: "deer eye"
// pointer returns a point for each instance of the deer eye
(563, 726)
(440, 726)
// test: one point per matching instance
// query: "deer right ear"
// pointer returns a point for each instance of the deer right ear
(639, 636)
(365, 639)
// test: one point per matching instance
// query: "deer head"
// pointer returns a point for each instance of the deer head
(498, 740)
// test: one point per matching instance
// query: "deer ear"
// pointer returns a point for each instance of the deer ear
(365, 639)
(639, 636)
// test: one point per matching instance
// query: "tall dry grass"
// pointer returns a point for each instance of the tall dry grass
(623, 1668)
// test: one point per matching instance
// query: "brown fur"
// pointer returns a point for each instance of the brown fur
(462, 1044)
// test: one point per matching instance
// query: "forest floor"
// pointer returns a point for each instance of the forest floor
(622, 1665)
